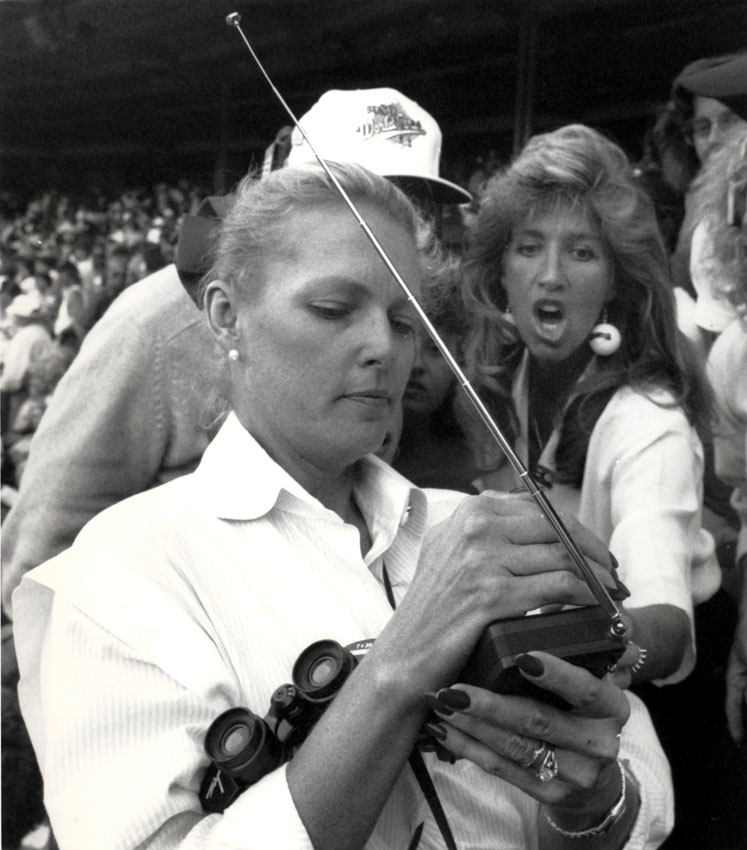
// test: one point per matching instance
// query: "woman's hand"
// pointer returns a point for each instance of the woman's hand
(495, 557)
(504, 734)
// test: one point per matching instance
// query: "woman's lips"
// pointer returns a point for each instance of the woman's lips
(415, 390)
(549, 320)
(375, 398)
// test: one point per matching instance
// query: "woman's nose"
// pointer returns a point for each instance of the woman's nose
(378, 340)
(418, 369)
(551, 273)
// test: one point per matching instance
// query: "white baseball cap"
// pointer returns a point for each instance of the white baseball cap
(382, 130)
(27, 305)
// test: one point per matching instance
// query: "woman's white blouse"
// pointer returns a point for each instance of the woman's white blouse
(642, 493)
(197, 596)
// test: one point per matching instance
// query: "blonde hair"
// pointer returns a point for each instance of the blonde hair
(254, 226)
(727, 168)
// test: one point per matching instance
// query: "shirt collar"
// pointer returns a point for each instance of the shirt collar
(388, 501)
(238, 480)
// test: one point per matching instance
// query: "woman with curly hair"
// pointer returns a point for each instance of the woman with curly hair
(575, 348)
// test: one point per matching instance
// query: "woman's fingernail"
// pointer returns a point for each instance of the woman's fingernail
(433, 702)
(445, 755)
(622, 590)
(453, 698)
(615, 562)
(530, 665)
(436, 730)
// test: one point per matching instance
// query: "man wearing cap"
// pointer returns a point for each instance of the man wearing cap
(717, 93)
(708, 106)
(143, 397)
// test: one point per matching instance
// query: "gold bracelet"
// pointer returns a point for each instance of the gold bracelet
(611, 818)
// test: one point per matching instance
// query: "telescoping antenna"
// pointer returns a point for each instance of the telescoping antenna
(617, 625)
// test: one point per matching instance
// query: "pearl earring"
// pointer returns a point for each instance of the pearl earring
(233, 354)
(604, 338)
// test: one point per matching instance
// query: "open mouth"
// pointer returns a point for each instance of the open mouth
(550, 320)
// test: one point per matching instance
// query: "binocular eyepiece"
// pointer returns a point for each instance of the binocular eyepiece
(321, 670)
(243, 747)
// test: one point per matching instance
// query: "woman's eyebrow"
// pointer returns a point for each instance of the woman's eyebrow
(350, 285)
(585, 234)
(340, 280)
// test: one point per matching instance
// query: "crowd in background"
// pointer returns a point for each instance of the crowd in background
(63, 261)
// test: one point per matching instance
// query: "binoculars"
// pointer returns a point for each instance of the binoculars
(243, 747)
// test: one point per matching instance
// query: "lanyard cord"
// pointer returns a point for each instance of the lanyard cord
(420, 769)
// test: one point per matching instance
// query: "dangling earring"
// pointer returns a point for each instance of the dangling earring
(508, 316)
(604, 338)
(233, 354)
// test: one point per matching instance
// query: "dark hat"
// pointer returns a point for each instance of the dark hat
(723, 78)
(197, 236)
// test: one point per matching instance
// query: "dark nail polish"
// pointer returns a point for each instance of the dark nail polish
(453, 698)
(615, 562)
(433, 702)
(436, 730)
(530, 665)
(622, 590)
(445, 755)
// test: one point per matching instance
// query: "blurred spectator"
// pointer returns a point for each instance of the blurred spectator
(709, 111)
(48, 362)
(482, 169)
(30, 327)
(727, 369)
(668, 202)
(705, 108)
(69, 318)
(713, 278)
(432, 449)
(8, 291)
